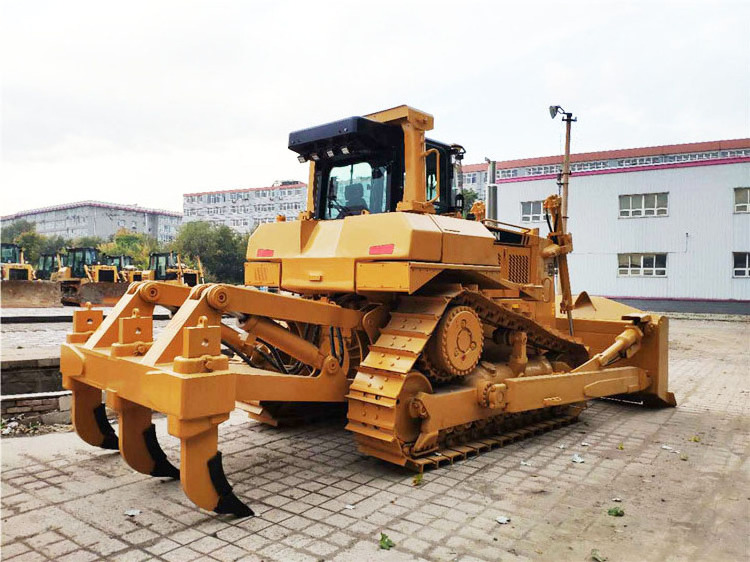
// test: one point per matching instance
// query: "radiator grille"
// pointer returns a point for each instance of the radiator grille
(106, 276)
(518, 268)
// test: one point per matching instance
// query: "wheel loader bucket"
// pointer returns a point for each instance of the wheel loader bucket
(597, 320)
(29, 294)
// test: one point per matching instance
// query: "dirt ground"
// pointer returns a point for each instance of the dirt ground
(682, 475)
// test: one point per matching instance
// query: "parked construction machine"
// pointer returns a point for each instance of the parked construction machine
(48, 264)
(14, 265)
(84, 276)
(169, 267)
(443, 336)
(21, 286)
(125, 269)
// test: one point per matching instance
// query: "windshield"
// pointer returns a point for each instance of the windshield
(159, 263)
(10, 254)
(356, 188)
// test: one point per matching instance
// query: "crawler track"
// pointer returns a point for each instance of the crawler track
(378, 397)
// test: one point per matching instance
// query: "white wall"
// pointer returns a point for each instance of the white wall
(699, 234)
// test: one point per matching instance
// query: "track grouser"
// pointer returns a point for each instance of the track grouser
(443, 335)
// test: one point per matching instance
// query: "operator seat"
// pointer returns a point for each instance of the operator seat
(355, 201)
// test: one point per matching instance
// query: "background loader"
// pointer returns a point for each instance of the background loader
(442, 336)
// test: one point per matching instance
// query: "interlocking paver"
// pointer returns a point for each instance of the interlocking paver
(70, 503)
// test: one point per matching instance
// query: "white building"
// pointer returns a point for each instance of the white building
(95, 218)
(665, 223)
(244, 209)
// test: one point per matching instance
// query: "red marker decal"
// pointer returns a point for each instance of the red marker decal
(381, 250)
(263, 253)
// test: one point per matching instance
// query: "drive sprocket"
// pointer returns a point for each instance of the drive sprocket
(456, 346)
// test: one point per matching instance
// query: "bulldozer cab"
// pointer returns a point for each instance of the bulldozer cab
(14, 267)
(169, 267)
(163, 265)
(11, 253)
(120, 262)
(77, 259)
(48, 263)
(361, 165)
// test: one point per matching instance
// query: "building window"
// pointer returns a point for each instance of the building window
(543, 170)
(741, 264)
(586, 166)
(531, 211)
(742, 199)
(642, 265)
(470, 178)
(644, 205)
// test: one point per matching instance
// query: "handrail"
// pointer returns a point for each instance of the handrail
(522, 228)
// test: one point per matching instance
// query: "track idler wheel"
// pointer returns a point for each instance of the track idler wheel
(454, 350)
(407, 426)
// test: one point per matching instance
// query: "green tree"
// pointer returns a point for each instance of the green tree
(86, 242)
(32, 244)
(53, 244)
(221, 250)
(10, 232)
(469, 197)
(134, 244)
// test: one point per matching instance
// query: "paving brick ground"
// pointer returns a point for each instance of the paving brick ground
(317, 498)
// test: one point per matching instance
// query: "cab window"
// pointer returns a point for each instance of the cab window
(356, 188)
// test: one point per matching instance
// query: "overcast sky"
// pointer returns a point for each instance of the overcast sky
(140, 102)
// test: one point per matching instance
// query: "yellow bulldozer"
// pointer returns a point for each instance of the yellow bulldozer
(443, 336)
(124, 265)
(21, 287)
(48, 264)
(169, 268)
(84, 276)
(14, 265)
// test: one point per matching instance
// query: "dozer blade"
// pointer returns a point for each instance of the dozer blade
(30, 294)
(597, 320)
(107, 294)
